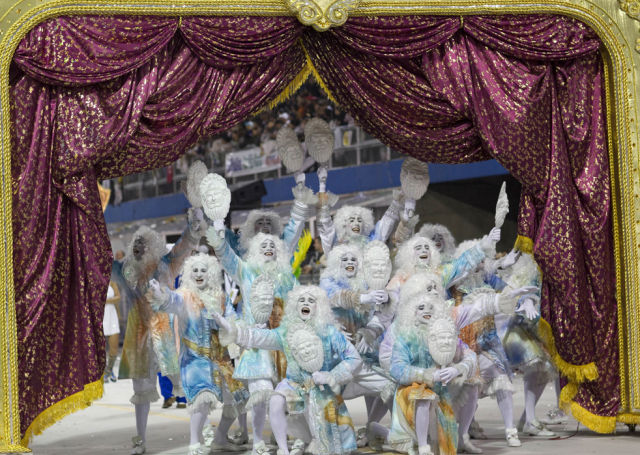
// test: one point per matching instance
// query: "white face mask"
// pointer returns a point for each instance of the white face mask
(349, 265)
(268, 250)
(438, 240)
(378, 272)
(306, 348)
(198, 275)
(355, 224)
(211, 203)
(320, 142)
(263, 225)
(261, 306)
(442, 343)
(306, 306)
(422, 254)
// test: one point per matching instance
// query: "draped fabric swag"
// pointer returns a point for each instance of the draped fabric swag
(95, 97)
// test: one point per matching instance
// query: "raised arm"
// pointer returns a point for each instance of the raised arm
(229, 259)
(164, 300)
(384, 227)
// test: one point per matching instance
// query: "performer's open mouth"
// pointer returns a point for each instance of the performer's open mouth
(356, 229)
(268, 253)
(424, 256)
(199, 281)
(305, 310)
(136, 251)
(350, 268)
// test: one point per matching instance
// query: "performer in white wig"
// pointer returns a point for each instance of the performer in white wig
(354, 307)
(427, 356)
(482, 337)
(442, 239)
(429, 285)
(205, 366)
(147, 258)
(525, 351)
(319, 361)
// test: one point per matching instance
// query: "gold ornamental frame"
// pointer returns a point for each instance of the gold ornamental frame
(617, 22)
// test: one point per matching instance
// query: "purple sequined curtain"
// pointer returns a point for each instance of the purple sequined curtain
(527, 91)
(98, 97)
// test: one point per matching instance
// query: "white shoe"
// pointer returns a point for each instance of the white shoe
(238, 438)
(465, 446)
(535, 428)
(298, 447)
(260, 448)
(512, 437)
(138, 447)
(362, 438)
(554, 417)
(197, 449)
(425, 450)
(476, 431)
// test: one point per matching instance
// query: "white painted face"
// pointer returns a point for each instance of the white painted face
(139, 248)
(306, 348)
(438, 239)
(306, 306)
(355, 224)
(198, 274)
(263, 225)
(422, 254)
(424, 311)
(442, 343)
(432, 288)
(349, 264)
(268, 250)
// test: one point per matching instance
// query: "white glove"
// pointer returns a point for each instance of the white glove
(508, 260)
(507, 299)
(409, 209)
(322, 179)
(215, 234)
(321, 378)
(300, 178)
(234, 350)
(374, 297)
(488, 241)
(155, 294)
(365, 339)
(228, 331)
(445, 375)
(528, 308)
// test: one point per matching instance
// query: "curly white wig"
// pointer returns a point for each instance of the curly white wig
(214, 271)
(342, 215)
(254, 256)
(406, 322)
(248, 228)
(464, 246)
(524, 272)
(335, 271)
(154, 243)
(405, 258)
(323, 315)
(430, 230)
(417, 285)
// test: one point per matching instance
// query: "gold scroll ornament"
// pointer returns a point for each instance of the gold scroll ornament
(322, 14)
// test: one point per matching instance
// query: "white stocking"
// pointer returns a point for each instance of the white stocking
(422, 421)
(278, 419)
(467, 410)
(198, 419)
(142, 415)
(505, 403)
(259, 417)
(533, 387)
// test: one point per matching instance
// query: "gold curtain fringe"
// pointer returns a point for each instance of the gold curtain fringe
(629, 419)
(524, 244)
(596, 423)
(317, 77)
(63, 408)
(292, 87)
(575, 373)
(567, 394)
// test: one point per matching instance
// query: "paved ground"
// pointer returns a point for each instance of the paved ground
(107, 427)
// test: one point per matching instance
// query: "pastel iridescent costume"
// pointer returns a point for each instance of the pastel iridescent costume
(325, 412)
(411, 363)
(205, 365)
